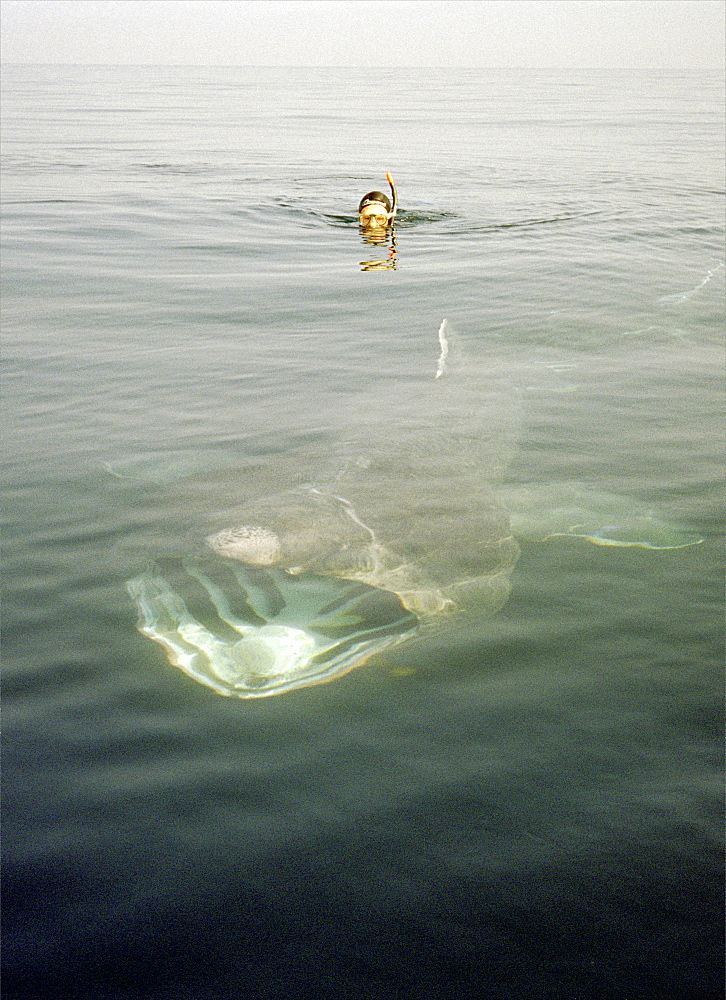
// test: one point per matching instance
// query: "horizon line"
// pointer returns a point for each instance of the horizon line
(227, 65)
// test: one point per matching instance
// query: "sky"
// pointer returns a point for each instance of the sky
(588, 34)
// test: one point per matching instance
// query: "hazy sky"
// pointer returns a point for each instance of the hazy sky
(488, 33)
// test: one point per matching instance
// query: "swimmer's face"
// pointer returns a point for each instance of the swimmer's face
(373, 216)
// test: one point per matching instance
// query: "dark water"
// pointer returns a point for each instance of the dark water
(530, 806)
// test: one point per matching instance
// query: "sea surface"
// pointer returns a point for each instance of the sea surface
(525, 805)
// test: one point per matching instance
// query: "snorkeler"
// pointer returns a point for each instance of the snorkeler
(377, 210)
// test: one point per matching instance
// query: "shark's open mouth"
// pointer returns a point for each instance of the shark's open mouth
(250, 632)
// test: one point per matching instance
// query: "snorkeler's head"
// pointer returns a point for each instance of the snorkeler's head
(374, 210)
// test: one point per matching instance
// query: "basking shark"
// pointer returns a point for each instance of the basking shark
(402, 526)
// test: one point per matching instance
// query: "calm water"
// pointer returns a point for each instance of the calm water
(528, 806)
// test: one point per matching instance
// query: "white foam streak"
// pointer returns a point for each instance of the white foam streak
(444, 350)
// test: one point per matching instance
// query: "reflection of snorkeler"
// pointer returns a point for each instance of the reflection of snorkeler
(380, 239)
(377, 211)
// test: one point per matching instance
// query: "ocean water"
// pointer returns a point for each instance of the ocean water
(519, 804)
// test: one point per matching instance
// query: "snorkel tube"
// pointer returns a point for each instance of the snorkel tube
(394, 196)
